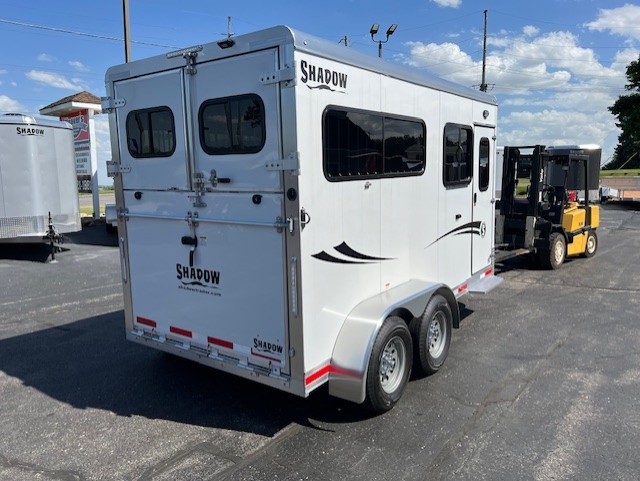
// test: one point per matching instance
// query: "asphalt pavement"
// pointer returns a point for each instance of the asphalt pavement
(542, 382)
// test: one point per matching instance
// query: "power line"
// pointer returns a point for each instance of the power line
(83, 34)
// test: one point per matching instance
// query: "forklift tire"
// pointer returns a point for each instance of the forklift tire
(431, 335)
(555, 255)
(592, 244)
(389, 365)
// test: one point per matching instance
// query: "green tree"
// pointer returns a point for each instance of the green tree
(627, 110)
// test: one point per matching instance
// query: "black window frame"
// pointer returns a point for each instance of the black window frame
(149, 111)
(484, 172)
(225, 101)
(469, 156)
(382, 174)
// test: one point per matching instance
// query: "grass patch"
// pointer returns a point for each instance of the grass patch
(87, 210)
(620, 173)
(103, 190)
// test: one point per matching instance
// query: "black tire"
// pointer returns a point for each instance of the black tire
(431, 335)
(553, 257)
(389, 365)
(592, 244)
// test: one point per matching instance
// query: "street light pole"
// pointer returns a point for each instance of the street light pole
(127, 40)
(374, 29)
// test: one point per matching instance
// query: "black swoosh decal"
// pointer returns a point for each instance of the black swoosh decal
(349, 252)
(323, 256)
(321, 87)
(470, 225)
(197, 283)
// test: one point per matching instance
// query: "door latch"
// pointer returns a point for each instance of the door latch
(215, 180)
(192, 240)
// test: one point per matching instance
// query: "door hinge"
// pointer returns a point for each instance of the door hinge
(287, 75)
(116, 168)
(290, 163)
(190, 57)
(109, 104)
(199, 187)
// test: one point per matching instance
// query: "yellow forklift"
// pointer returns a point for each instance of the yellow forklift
(539, 211)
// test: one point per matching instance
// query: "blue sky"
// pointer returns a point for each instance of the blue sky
(554, 65)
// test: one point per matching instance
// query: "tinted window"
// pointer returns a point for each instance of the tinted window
(363, 145)
(151, 132)
(458, 154)
(233, 125)
(483, 173)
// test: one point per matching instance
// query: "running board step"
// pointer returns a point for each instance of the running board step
(485, 285)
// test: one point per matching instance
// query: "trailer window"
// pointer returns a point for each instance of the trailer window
(360, 144)
(458, 154)
(233, 125)
(483, 173)
(151, 132)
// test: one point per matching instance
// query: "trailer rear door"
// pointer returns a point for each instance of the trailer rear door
(204, 224)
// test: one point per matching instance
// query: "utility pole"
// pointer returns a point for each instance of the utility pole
(483, 85)
(345, 40)
(229, 33)
(127, 40)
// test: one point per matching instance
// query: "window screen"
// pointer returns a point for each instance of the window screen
(483, 173)
(458, 154)
(233, 125)
(360, 144)
(151, 132)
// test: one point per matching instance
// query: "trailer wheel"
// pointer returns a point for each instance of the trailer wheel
(431, 335)
(555, 255)
(592, 244)
(389, 365)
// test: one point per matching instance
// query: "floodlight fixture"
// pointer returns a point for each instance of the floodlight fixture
(374, 29)
(392, 29)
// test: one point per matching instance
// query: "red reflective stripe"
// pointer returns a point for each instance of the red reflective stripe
(489, 272)
(220, 342)
(253, 353)
(462, 287)
(181, 332)
(146, 322)
(317, 375)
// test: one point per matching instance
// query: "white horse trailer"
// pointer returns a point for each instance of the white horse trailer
(299, 213)
(38, 196)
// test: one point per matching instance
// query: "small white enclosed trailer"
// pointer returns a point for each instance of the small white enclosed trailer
(299, 213)
(38, 195)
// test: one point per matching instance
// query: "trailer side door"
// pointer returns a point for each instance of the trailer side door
(483, 200)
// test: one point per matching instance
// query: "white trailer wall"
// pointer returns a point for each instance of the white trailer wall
(37, 177)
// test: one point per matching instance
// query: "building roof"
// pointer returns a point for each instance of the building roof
(79, 101)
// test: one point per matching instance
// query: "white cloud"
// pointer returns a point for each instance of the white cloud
(8, 104)
(622, 21)
(448, 3)
(530, 30)
(45, 57)
(14, 84)
(559, 127)
(3, 72)
(515, 65)
(55, 80)
(79, 66)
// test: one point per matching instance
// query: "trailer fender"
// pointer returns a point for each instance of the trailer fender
(351, 352)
